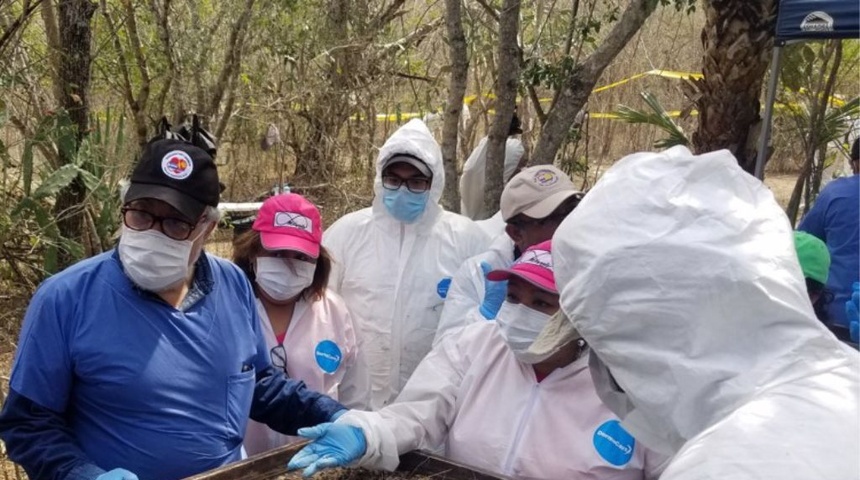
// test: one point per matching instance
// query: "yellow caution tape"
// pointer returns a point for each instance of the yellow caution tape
(671, 74)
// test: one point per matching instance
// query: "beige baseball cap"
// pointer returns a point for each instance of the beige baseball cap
(557, 332)
(536, 192)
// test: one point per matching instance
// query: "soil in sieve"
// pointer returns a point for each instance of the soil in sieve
(354, 474)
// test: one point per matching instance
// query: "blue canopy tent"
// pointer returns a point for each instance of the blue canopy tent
(797, 21)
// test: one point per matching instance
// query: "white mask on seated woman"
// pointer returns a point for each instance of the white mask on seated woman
(283, 278)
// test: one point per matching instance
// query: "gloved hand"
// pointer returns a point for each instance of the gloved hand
(494, 294)
(852, 309)
(334, 445)
(117, 474)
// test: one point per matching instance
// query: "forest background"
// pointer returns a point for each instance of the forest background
(304, 93)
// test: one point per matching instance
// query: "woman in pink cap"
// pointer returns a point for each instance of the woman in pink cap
(484, 401)
(309, 331)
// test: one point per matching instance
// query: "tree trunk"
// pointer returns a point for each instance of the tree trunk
(454, 105)
(506, 98)
(230, 65)
(577, 87)
(75, 34)
(737, 39)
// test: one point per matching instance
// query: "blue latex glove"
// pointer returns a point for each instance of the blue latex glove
(852, 309)
(117, 474)
(334, 445)
(494, 294)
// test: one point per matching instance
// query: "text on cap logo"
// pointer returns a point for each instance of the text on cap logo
(177, 165)
(293, 220)
(545, 177)
(541, 258)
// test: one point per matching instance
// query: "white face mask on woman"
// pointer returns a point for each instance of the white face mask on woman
(154, 261)
(283, 278)
(520, 326)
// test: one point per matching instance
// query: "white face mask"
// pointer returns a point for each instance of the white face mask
(152, 260)
(283, 278)
(520, 326)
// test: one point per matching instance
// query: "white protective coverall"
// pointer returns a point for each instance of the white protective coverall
(493, 226)
(473, 177)
(323, 351)
(680, 272)
(467, 287)
(393, 275)
(472, 397)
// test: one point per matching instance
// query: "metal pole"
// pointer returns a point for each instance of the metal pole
(764, 138)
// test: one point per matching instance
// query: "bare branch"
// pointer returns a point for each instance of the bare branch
(577, 87)
(387, 15)
(232, 58)
(16, 25)
(489, 9)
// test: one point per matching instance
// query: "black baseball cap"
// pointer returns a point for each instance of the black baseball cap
(178, 173)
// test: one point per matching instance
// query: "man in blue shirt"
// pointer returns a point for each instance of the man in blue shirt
(835, 219)
(146, 361)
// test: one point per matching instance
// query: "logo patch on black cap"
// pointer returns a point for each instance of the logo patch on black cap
(177, 165)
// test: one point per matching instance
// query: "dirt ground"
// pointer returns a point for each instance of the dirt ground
(355, 474)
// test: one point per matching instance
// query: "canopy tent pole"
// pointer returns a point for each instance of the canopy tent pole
(764, 138)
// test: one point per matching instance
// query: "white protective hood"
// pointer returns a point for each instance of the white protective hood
(393, 276)
(413, 138)
(473, 178)
(680, 272)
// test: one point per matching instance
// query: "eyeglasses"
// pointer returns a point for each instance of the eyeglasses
(173, 227)
(414, 185)
(278, 355)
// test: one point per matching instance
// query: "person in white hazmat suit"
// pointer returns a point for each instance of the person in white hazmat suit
(393, 262)
(680, 272)
(473, 179)
(492, 406)
(533, 205)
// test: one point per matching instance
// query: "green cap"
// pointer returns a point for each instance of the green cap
(813, 256)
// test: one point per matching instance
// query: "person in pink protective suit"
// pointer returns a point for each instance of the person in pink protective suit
(481, 400)
(309, 331)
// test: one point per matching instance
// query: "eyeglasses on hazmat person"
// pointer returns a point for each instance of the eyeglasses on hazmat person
(140, 220)
(413, 184)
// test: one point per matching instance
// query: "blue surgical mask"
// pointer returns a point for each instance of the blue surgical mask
(404, 205)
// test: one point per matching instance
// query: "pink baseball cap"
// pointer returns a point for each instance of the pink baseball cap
(533, 266)
(290, 222)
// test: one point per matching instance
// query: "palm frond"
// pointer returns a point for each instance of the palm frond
(657, 117)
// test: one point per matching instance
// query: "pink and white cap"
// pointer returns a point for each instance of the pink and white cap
(290, 222)
(533, 266)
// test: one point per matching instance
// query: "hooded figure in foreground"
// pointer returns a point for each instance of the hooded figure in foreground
(680, 272)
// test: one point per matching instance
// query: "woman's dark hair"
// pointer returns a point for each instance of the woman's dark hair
(247, 247)
(825, 297)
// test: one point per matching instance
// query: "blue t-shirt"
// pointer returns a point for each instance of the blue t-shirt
(146, 387)
(835, 219)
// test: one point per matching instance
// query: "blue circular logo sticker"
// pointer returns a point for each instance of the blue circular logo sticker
(613, 443)
(328, 356)
(443, 286)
